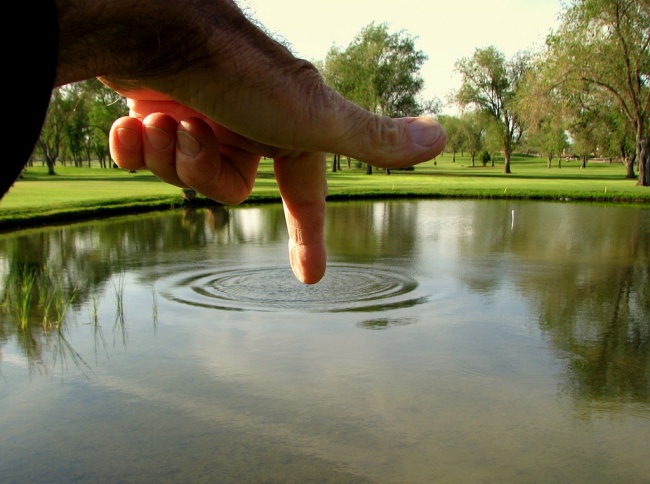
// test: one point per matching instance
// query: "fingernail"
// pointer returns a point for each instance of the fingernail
(187, 144)
(127, 137)
(425, 131)
(158, 138)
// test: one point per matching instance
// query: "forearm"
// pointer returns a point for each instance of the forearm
(204, 54)
(124, 38)
(139, 40)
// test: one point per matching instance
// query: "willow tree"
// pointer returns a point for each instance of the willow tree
(544, 109)
(490, 84)
(379, 71)
(603, 46)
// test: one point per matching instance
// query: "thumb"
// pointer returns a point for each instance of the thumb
(310, 116)
(379, 140)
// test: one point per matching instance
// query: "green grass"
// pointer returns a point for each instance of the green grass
(76, 193)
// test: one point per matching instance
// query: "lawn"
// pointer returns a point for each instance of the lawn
(90, 192)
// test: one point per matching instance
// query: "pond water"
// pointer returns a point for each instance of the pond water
(450, 341)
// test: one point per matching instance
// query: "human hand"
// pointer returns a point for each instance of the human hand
(234, 94)
(187, 148)
(184, 148)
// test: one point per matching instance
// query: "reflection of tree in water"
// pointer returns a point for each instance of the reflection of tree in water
(602, 324)
(381, 228)
(92, 258)
(46, 273)
(385, 323)
(594, 308)
(217, 217)
(600, 316)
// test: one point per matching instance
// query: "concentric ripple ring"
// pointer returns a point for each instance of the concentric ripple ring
(345, 288)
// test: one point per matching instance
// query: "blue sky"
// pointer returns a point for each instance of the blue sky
(444, 30)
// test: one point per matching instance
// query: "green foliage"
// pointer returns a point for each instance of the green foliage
(106, 107)
(485, 157)
(473, 129)
(78, 121)
(490, 84)
(379, 71)
(54, 128)
(601, 55)
(454, 129)
(77, 127)
(34, 296)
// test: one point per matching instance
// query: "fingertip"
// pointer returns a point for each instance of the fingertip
(125, 143)
(308, 263)
(427, 132)
(388, 142)
(125, 133)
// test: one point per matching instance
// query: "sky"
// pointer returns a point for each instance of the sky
(446, 31)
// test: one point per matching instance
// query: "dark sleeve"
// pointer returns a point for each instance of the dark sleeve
(29, 72)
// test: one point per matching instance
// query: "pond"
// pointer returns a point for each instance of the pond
(449, 341)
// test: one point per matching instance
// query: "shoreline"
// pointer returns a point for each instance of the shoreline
(21, 220)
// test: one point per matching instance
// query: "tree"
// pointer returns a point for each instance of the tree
(106, 107)
(583, 132)
(490, 84)
(550, 139)
(77, 125)
(603, 45)
(78, 121)
(473, 129)
(54, 128)
(379, 71)
(455, 135)
(493, 140)
(544, 109)
(614, 138)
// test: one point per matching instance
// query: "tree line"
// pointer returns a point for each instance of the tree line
(77, 124)
(586, 93)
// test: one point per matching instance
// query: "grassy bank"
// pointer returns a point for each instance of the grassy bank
(77, 193)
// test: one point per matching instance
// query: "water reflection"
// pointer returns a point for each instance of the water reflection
(440, 327)
(585, 272)
(583, 269)
(385, 323)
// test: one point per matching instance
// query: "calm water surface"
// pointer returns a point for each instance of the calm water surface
(450, 341)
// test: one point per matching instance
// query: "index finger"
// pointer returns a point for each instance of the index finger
(303, 187)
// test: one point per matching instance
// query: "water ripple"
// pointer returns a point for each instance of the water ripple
(344, 288)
